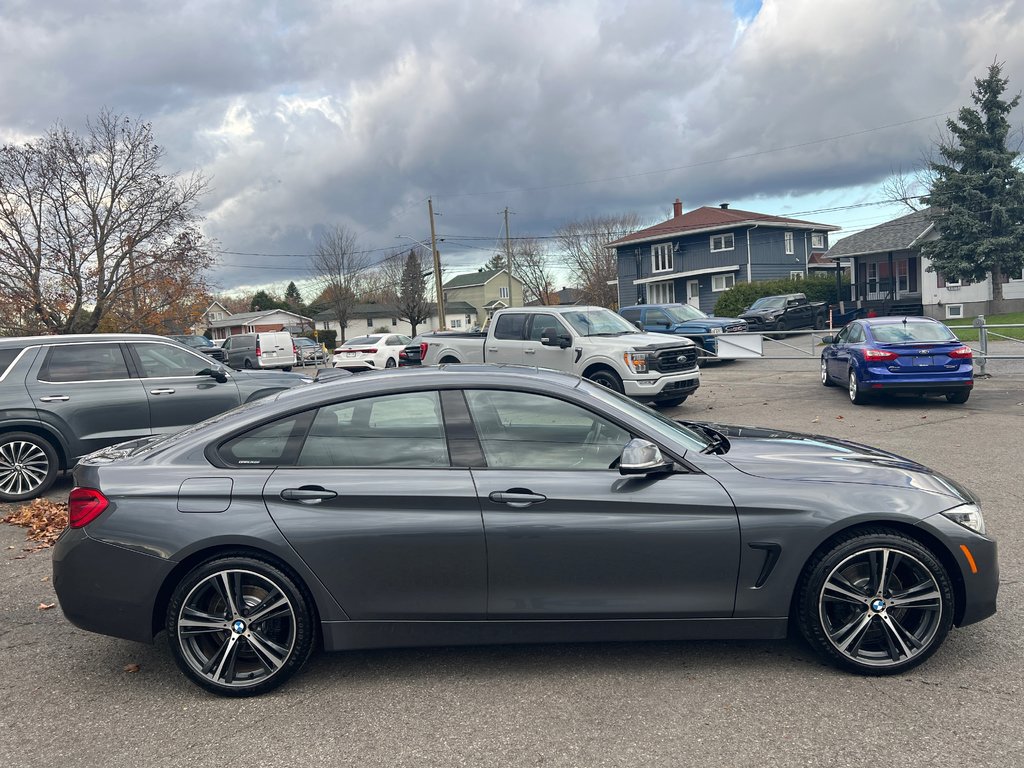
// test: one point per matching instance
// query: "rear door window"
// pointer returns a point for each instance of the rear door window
(510, 326)
(84, 362)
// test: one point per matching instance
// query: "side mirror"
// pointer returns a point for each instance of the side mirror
(550, 337)
(638, 324)
(828, 339)
(642, 457)
(217, 374)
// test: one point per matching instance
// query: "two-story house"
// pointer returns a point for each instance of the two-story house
(486, 291)
(693, 257)
(891, 276)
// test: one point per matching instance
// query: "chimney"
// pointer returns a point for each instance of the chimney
(724, 206)
(677, 208)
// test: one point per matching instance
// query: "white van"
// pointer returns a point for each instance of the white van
(265, 349)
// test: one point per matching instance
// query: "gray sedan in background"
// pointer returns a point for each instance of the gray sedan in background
(478, 504)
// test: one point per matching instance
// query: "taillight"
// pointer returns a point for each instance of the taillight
(369, 351)
(84, 506)
(295, 351)
(423, 350)
(962, 353)
(879, 354)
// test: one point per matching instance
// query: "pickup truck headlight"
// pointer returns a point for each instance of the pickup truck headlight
(636, 361)
(715, 331)
(967, 515)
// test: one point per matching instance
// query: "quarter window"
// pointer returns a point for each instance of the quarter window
(269, 445)
(523, 430)
(661, 257)
(402, 430)
(724, 242)
(84, 362)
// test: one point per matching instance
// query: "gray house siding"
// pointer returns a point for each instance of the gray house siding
(627, 274)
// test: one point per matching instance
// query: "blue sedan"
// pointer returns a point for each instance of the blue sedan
(908, 355)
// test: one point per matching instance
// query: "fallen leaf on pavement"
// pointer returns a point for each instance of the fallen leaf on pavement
(46, 606)
(131, 668)
(44, 519)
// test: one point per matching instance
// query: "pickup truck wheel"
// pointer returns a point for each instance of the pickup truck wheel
(607, 379)
(448, 360)
(819, 322)
(28, 466)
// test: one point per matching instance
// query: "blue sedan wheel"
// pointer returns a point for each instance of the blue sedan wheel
(825, 380)
(857, 396)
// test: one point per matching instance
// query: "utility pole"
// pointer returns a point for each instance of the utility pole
(437, 266)
(508, 257)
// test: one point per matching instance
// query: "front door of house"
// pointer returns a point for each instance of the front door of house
(693, 293)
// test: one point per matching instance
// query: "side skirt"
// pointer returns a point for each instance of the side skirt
(349, 635)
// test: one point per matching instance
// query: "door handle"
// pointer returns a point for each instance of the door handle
(54, 398)
(310, 494)
(530, 351)
(517, 497)
(164, 391)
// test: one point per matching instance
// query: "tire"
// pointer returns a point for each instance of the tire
(825, 380)
(875, 602)
(213, 639)
(958, 398)
(606, 378)
(28, 466)
(287, 368)
(247, 364)
(857, 396)
(390, 363)
(819, 322)
(448, 361)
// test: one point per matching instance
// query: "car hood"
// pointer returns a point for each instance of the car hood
(759, 313)
(783, 455)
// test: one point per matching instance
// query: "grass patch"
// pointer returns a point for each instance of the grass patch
(971, 334)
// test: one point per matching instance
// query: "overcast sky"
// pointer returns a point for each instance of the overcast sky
(308, 114)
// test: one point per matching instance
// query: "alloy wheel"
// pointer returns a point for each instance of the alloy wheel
(26, 468)
(881, 607)
(236, 628)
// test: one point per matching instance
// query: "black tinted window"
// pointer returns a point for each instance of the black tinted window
(268, 445)
(510, 326)
(84, 362)
(391, 431)
(6, 358)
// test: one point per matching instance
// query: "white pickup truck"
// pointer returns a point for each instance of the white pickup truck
(592, 342)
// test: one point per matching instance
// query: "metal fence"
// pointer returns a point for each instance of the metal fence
(806, 344)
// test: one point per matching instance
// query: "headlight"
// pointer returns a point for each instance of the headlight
(715, 331)
(967, 515)
(636, 361)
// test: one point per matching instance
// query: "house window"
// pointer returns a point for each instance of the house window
(724, 242)
(817, 240)
(789, 242)
(954, 311)
(456, 323)
(661, 257)
(661, 293)
(723, 282)
(394, 322)
(796, 274)
(503, 292)
(369, 322)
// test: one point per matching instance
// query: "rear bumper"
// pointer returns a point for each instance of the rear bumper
(89, 578)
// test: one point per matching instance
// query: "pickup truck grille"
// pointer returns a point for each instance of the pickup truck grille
(674, 360)
(736, 328)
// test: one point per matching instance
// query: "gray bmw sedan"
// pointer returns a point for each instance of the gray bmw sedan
(485, 504)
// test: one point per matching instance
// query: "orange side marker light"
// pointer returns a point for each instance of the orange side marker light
(970, 558)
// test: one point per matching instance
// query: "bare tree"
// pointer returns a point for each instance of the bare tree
(341, 268)
(531, 264)
(87, 220)
(588, 259)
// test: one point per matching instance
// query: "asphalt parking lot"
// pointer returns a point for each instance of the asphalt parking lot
(68, 699)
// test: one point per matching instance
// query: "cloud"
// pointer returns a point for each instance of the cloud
(310, 114)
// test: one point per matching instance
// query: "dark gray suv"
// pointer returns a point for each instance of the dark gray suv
(62, 397)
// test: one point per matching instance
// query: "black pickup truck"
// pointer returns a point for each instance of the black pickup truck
(785, 313)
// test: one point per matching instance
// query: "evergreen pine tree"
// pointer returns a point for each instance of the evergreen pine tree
(294, 298)
(977, 194)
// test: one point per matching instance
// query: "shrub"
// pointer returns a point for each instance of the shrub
(327, 338)
(742, 295)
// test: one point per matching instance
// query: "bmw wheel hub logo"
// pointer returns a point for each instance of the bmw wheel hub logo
(238, 626)
(878, 605)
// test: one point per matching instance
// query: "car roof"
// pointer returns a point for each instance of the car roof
(78, 338)
(894, 319)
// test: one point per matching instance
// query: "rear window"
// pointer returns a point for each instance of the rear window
(361, 341)
(911, 332)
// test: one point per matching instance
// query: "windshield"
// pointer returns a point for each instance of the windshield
(361, 341)
(683, 313)
(598, 322)
(302, 341)
(769, 302)
(911, 332)
(650, 418)
(194, 341)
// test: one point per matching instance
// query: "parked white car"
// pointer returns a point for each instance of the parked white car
(368, 353)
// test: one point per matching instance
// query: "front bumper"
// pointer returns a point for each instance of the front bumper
(663, 387)
(978, 584)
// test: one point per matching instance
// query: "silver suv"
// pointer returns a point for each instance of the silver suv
(62, 397)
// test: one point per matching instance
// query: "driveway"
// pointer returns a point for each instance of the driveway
(67, 699)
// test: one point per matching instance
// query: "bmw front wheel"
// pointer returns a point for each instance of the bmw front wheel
(876, 602)
(239, 626)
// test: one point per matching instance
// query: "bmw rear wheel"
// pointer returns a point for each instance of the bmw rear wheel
(28, 466)
(877, 602)
(239, 626)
